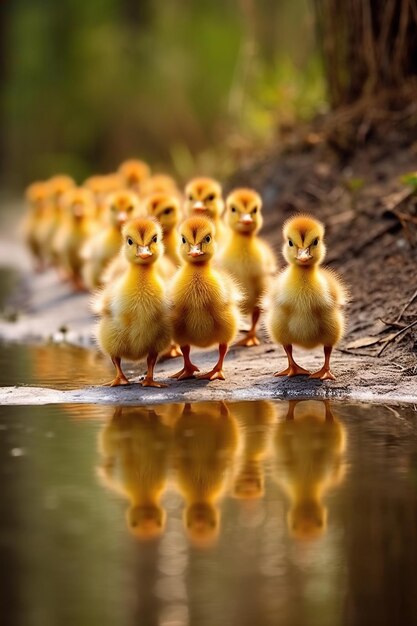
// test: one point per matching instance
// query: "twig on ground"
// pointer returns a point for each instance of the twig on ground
(393, 338)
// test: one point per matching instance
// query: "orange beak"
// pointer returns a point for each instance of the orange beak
(195, 251)
(143, 252)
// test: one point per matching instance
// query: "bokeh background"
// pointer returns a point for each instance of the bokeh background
(189, 85)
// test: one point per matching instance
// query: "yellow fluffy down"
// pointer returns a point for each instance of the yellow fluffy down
(135, 314)
(306, 307)
(205, 306)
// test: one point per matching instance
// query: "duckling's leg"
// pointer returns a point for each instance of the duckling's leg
(324, 373)
(148, 381)
(251, 339)
(217, 372)
(189, 368)
(293, 369)
(120, 377)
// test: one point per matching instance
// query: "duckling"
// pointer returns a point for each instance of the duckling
(309, 452)
(255, 420)
(105, 244)
(165, 207)
(134, 172)
(205, 442)
(246, 257)
(159, 183)
(306, 299)
(136, 449)
(98, 185)
(135, 314)
(37, 197)
(203, 196)
(58, 185)
(204, 299)
(78, 205)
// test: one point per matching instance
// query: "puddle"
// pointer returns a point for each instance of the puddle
(213, 514)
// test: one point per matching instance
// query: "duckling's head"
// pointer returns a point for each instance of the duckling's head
(164, 207)
(303, 241)
(78, 203)
(121, 206)
(244, 211)
(203, 196)
(59, 185)
(134, 172)
(202, 521)
(307, 520)
(146, 521)
(159, 183)
(249, 484)
(197, 240)
(37, 195)
(142, 241)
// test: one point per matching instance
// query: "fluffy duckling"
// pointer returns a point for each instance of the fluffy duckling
(98, 185)
(255, 420)
(203, 196)
(247, 257)
(136, 449)
(159, 183)
(307, 299)
(135, 314)
(58, 185)
(165, 207)
(78, 206)
(309, 451)
(204, 300)
(134, 172)
(37, 197)
(105, 244)
(205, 442)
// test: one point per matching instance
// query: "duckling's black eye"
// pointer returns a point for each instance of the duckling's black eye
(210, 197)
(290, 243)
(183, 239)
(168, 211)
(130, 241)
(155, 238)
(316, 241)
(190, 197)
(255, 210)
(233, 209)
(129, 208)
(207, 239)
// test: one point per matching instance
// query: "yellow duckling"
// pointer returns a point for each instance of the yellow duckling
(38, 198)
(246, 257)
(78, 206)
(134, 172)
(205, 442)
(255, 420)
(135, 313)
(309, 451)
(203, 196)
(204, 300)
(159, 183)
(53, 216)
(98, 185)
(165, 207)
(105, 244)
(307, 299)
(136, 448)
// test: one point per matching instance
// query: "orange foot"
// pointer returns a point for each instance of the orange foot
(213, 375)
(172, 353)
(249, 341)
(150, 382)
(293, 370)
(119, 380)
(323, 374)
(186, 372)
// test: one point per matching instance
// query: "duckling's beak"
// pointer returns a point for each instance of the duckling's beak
(143, 252)
(122, 217)
(78, 210)
(303, 255)
(246, 219)
(199, 206)
(195, 251)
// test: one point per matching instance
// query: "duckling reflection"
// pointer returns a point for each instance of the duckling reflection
(205, 441)
(309, 450)
(255, 420)
(135, 448)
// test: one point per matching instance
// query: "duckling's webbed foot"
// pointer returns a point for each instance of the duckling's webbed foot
(120, 377)
(149, 381)
(251, 339)
(293, 368)
(189, 368)
(217, 372)
(325, 373)
(173, 352)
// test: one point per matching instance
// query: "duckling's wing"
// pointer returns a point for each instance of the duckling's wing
(337, 287)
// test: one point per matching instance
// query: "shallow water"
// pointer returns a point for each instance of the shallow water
(213, 514)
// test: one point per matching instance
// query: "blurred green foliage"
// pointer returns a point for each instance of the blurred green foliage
(186, 84)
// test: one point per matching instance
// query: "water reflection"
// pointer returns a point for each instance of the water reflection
(309, 448)
(206, 451)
